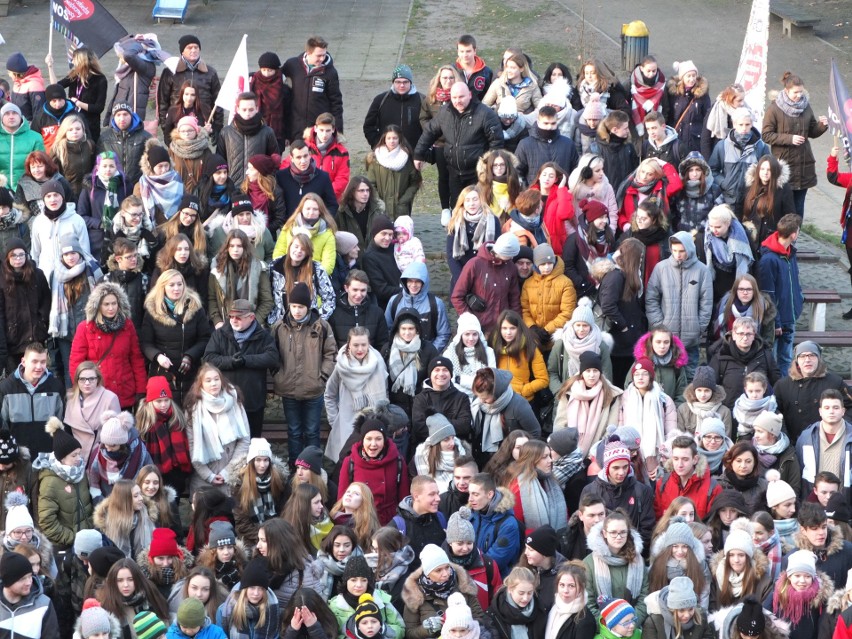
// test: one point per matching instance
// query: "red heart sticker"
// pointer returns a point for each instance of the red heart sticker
(79, 10)
(68, 489)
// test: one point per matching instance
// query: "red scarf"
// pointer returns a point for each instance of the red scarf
(169, 448)
(642, 94)
(259, 199)
(270, 100)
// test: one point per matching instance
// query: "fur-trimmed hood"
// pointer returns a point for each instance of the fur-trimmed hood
(835, 541)
(235, 480)
(724, 618)
(159, 314)
(642, 348)
(45, 548)
(502, 502)
(596, 543)
(700, 467)
(207, 556)
(102, 510)
(144, 165)
(144, 561)
(100, 292)
(482, 163)
(115, 631)
(796, 374)
(779, 168)
(839, 601)
(600, 267)
(760, 562)
(413, 597)
(674, 86)
(719, 394)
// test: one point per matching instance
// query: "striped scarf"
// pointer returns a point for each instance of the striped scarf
(169, 448)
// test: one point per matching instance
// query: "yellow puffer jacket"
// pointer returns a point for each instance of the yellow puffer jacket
(548, 301)
(522, 382)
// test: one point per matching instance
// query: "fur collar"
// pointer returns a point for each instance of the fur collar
(144, 563)
(207, 556)
(159, 314)
(200, 66)
(413, 597)
(505, 504)
(235, 480)
(643, 349)
(596, 543)
(760, 563)
(838, 601)
(834, 546)
(482, 163)
(719, 394)
(102, 510)
(171, 493)
(144, 164)
(796, 374)
(825, 592)
(601, 267)
(783, 178)
(675, 86)
(100, 292)
(45, 548)
(700, 467)
(724, 618)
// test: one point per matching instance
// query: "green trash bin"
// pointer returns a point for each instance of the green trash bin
(634, 44)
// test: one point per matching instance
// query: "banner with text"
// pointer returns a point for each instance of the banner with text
(751, 73)
(839, 107)
(85, 23)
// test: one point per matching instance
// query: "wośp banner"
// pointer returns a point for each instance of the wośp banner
(86, 24)
(751, 73)
(839, 107)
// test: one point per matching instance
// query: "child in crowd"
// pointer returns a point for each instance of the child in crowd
(703, 399)
(407, 248)
(96, 623)
(358, 580)
(752, 403)
(548, 298)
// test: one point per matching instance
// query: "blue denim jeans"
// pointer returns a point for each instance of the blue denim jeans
(303, 424)
(693, 353)
(784, 349)
(799, 201)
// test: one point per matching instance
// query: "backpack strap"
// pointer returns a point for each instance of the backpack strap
(399, 522)
(351, 469)
(395, 305)
(433, 314)
(489, 569)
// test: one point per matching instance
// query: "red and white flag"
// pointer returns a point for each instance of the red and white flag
(236, 81)
(751, 74)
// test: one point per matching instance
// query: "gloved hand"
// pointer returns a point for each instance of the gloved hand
(238, 360)
(185, 365)
(433, 624)
(542, 337)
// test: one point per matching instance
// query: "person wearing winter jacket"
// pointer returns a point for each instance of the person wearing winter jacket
(570, 617)
(745, 299)
(400, 105)
(685, 474)
(767, 199)
(739, 569)
(439, 395)
(316, 86)
(27, 90)
(833, 552)
(653, 179)
(391, 171)
(689, 104)
(327, 148)
(126, 137)
(414, 294)
(548, 298)
(545, 144)
(613, 145)
(17, 141)
(244, 351)
(375, 461)
(469, 129)
(487, 299)
(358, 582)
(246, 136)
(274, 96)
(379, 263)
(703, 399)
(300, 176)
(192, 622)
(675, 609)
(700, 193)
(517, 608)
(672, 299)
(800, 595)
(732, 157)
(668, 354)
(497, 531)
(53, 111)
(788, 125)
(662, 141)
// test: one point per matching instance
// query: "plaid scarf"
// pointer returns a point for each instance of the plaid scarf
(228, 573)
(264, 505)
(107, 468)
(169, 448)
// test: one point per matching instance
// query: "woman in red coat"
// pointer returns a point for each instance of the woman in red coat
(558, 204)
(652, 179)
(108, 338)
(375, 461)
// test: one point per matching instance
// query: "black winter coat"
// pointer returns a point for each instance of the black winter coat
(380, 266)
(315, 91)
(258, 354)
(293, 192)
(576, 268)
(367, 314)
(576, 627)
(467, 135)
(238, 148)
(450, 402)
(94, 95)
(535, 150)
(502, 615)
(175, 337)
(798, 398)
(689, 109)
(452, 499)
(573, 540)
(634, 497)
(392, 108)
(620, 159)
(24, 313)
(205, 80)
(425, 355)
(732, 365)
(629, 313)
(129, 146)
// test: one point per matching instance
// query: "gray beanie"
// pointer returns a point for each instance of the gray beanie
(221, 534)
(681, 594)
(543, 254)
(564, 441)
(808, 347)
(506, 246)
(770, 422)
(439, 429)
(459, 527)
(705, 377)
(678, 532)
(583, 312)
(712, 425)
(86, 541)
(629, 436)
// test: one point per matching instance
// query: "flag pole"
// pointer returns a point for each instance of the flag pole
(212, 113)
(50, 30)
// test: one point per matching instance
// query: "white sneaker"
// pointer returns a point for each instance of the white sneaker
(446, 214)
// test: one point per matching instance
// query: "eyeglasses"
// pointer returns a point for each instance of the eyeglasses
(18, 256)
(739, 334)
(87, 380)
(134, 213)
(130, 256)
(807, 356)
(20, 533)
(618, 534)
(630, 622)
(191, 216)
(712, 438)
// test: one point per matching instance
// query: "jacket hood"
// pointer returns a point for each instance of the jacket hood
(760, 563)
(406, 314)
(478, 64)
(671, 136)
(685, 238)
(22, 128)
(838, 601)
(719, 395)
(753, 139)
(99, 517)
(207, 556)
(482, 163)
(159, 314)
(601, 267)
(310, 137)
(413, 596)
(135, 123)
(834, 543)
(780, 170)
(643, 348)
(503, 501)
(701, 467)
(687, 163)
(773, 245)
(502, 380)
(596, 543)
(795, 372)
(675, 86)
(724, 618)
(240, 462)
(415, 271)
(100, 292)
(327, 61)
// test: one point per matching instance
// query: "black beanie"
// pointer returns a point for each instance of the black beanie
(9, 451)
(440, 360)
(189, 201)
(14, 244)
(63, 443)
(590, 359)
(158, 154)
(750, 620)
(14, 567)
(7, 198)
(300, 295)
(103, 558)
(186, 40)
(373, 424)
(213, 163)
(311, 458)
(380, 223)
(543, 540)
(256, 573)
(356, 566)
(53, 186)
(269, 60)
(54, 92)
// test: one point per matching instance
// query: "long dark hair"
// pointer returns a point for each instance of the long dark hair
(284, 548)
(738, 449)
(113, 602)
(630, 260)
(297, 513)
(759, 198)
(208, 502)
(524, 344)
(223, 257)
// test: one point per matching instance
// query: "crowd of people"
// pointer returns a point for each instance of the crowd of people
(621, 436)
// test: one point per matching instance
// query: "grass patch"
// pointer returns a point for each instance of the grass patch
(818, 234)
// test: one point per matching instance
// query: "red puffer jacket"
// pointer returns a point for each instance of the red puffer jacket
(387, 478)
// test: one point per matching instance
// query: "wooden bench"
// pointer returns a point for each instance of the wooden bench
(815, 256)
(825, 339)
(274, 428)
(793, 16)
(818, 299)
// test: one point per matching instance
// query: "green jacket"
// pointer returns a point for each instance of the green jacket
(63, 508)
(14, 149)
(618, 576)
(606, 633)
(396, 188)
(392, 619)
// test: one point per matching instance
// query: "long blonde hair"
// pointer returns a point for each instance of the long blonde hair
(60, 143)
(158, 292)
(239, 617)
(85, 65)
(161, 499)
(120, 516)
(171, 227)
(458, 212)
(325, 216)
(365, 521)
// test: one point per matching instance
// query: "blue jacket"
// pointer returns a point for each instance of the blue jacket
(439, 335)
(498, 533)
(778, 277)
(208, 631)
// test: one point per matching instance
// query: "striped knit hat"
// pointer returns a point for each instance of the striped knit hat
(148, 626)
(614, 613)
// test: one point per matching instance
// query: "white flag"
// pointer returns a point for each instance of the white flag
(236, 81)
(751, 74)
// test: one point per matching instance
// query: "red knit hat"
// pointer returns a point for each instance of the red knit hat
(164, 544)
(593, 210)
(642, 364)
(264, 164)
(157, 388)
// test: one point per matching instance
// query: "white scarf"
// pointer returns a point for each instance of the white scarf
(492, 425)
(216, 422)
(574, 346)
(561, 612)
(359, 378)
(734, 579)
(391, 160)
(403, 370)
(648, 414)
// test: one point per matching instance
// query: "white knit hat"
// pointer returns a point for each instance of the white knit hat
(457, 614)
(17, 513)
(432, 557)
(777, 490)
(258, 447)
(770, 422)
(508, 107)
(682, 68)
(740, 538)
(801, 561)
